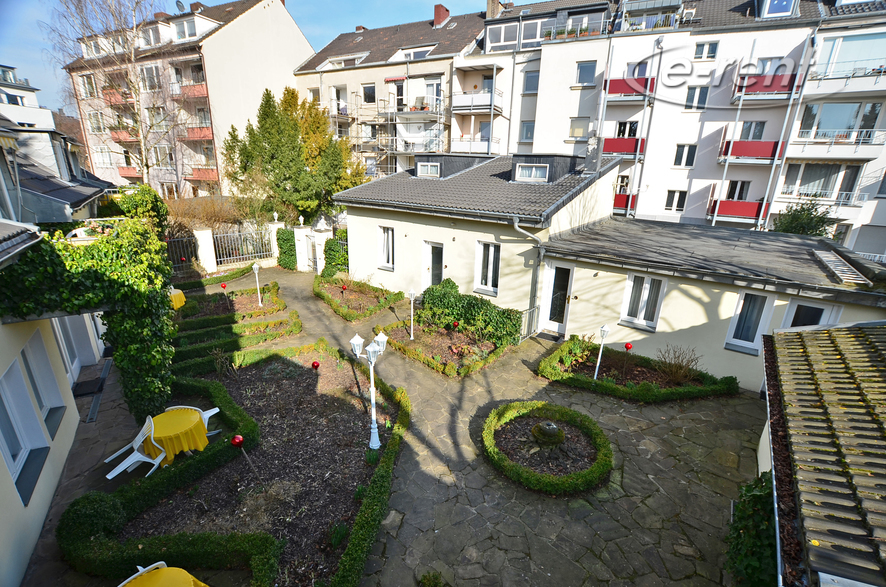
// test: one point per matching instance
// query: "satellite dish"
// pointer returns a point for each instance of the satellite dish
(180, 5)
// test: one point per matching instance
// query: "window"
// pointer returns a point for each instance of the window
(685, 155)
(40, 378)
(530, 82)
(386, 248)
(502, 37)
(103, 157)
(778, 7)
(96, 122)
(532, 172)
(368, 94)
(202, 116)
(371, 166)
(642, 301)
(197, 76)
(527, 131)
(738, 190)
(621, 184)
(752, 314)
(806, 312)
(696, 97)
(14, 100)
(151, 36)
(93, 48)
(150, 76)
(164, 157)
(414, 54)
(315, 94)
(752, 131)
(579, 128)
(706, 50)
(127, 158)
(87, 85)
(637, 69)
(169, 191)
(157, 118)
(486, 275)
(586, 73)
(534, 31)
(772, 66)
(676, 200)
(840, 121)
(185, 29)
(626, 130)
(428, 169)
(820, 180)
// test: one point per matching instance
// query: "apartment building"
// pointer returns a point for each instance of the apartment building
(196, 74)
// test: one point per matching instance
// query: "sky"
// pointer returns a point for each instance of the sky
(23, 44)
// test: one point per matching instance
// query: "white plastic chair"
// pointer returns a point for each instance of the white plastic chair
(138, 455)
(205, 415)
(142, 571)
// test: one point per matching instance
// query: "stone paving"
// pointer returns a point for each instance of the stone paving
(660, 520)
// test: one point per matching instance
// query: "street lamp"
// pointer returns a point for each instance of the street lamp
(257, 286)
(604, 332)
(411, 295)
(373, 351)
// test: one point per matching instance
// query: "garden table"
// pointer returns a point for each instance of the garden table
(166, 577)
(177, 297)
(176, 431)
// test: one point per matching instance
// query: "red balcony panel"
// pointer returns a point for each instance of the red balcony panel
(114, 97)
(737, 208)
(128, 172)
(623, 146)
(631, 85)
(766, 84)
(122, 136)
(204, 174)
(755, 149)
(621, 201)
(199, 133)
(194, 91)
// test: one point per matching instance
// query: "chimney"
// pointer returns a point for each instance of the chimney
(441, 15)
(493, 8)
(196, 7)
(360, 28)
(160, 15)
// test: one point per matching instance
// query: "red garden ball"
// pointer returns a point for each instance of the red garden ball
(315, 365)
(183, 259)
(628, 346)
(237, 441)
(344, 287)
(224, 285)
(455, 324)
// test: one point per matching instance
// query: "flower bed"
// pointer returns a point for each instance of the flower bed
(562, 366)
(195, 283)
(354, 300)
(205, 310)
(594, 475)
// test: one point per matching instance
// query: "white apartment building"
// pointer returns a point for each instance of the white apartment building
(199, 73)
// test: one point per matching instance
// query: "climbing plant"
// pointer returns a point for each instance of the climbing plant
(126, 274)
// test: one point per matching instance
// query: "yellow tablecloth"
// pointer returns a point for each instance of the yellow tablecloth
(166, 577)
(177, 297)
(176, 431)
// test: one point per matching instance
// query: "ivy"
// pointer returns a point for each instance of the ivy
(751, 539)
(286, 246)
(336, 254)
(126, 274)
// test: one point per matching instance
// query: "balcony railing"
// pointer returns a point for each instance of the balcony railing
(623, 146)
(621, 202)
(477, 101)
(123, 134)
(207, 172)
(126, 171)
(737, 209)
(864, 67)
(338, 107)
(872, 257)
(198, 131)
(186, 90)
(752, 149)
(646, 23)
(766, 86)
(843, 136)
(476, 146)
(117, 97)
(630, 86)
(826, 198)
(553, 33)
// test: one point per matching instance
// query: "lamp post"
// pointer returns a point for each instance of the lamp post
(411, 295)
(373, 351)
(257, 286)
(604, 332)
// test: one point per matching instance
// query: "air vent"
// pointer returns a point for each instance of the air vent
(358, 39)
(842, 270)
(525, 11)
(451, 26)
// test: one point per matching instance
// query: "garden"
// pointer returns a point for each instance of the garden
(353, 300)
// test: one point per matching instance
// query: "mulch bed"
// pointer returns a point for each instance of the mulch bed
(355, 298)
(312, 457)
(515, 440)
(217, 305)
(444, 345)
(615, 367)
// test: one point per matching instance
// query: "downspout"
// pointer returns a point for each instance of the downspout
(533, 289)
(731, 142)
(513, 82)
(644, 141)
(790, 132)
(601, 110)
(491, 109)
(18, 186)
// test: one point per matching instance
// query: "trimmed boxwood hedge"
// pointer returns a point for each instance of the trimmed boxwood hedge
(350, 315)
(547, 483)
(186, 285)
(237, 341)
(645, 392)
(448, 369)
(192, 337)
(274, 304)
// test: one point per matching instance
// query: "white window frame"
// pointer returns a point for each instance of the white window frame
(582, 124)
(706, 53)
(627, 129)
(752, 128)
(675, 202)
(490, 272)
(533, 177)
(315, 94)
(502, 45)
(96, 122)
(87, 85)
(685, 156)
(622, 183)
(744, 346)
(151, 36)
(427, 169)
(578, 68)
(167, 189)
(152, 73)
(527, 131)
(830, 315)
(526, 77)
(26, 424)
(103, 157)
(694, 99)
(639, 321)
(386, 254)
(185, 29)
(633, 67)
(164, 156)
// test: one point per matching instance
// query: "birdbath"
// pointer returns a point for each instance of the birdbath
(548, 434)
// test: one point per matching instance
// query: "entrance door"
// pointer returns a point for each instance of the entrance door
(433, 264)
(558, 289)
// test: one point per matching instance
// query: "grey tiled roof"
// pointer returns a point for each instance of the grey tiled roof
(383, 43)
(860, 8)
(484, 191)
(14, 238)
(38, 179)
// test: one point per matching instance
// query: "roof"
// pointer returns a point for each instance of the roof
(15, 238)
(705, 252)
(381, 44)
(548, 7)
(38, 179)
(484, 192)
(725, 13)
(855, 8)
(833, 387)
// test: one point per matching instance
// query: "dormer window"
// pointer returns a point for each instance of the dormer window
(417, 54)
(185, 29)
(93, 48)
(428, 169)
(532, 173)
(775, 8)
(151, 36)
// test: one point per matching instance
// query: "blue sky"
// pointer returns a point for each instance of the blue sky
(23, 44)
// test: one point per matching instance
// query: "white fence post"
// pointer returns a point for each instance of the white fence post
(206, 249)
(273, 227)
(321, 234)
(302, 251)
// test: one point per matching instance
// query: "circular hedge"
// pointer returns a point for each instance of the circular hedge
(547, 483)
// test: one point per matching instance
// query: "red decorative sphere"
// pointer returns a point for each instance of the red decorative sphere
(315, 365)
(183, 259)
(237, 441)
(455, 324)
(628, 346)
(344, 287)
(224, 285)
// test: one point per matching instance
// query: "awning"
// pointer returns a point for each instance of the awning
(399, 78)
(7, 142)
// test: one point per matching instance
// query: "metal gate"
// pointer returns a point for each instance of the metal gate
(529, 324)
(181, 252)
(242, 246)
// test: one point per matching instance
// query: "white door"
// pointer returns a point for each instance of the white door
(432, 264)
(557, 295)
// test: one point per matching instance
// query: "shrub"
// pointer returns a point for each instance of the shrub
(750, 556)
(388, 298)
(499, 325)
(431, 579)
(546, 483)
(372, 457)
(110, 209)
(144, 202)
(286, 246)
(677, 364)
(336, 254)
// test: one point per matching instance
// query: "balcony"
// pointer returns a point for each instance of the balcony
(477, 102)
(620, 204)
(844, 77)
(117, 97)
(198, 131)
(123, 134)
(765, 87)
(624, 146)
(416, 144)
(792, 195)
(475, 146)
(189, 91)
(852, 144)
(631, 89)
(553, 33)
(127, 171)
(750, 152)
(423, 108)
(207, 172)
(338, 109)
(631, 24)
(737, 210)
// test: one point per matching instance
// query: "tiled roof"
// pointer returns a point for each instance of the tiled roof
(14, 238)
(721, 13)
(546, 7)
(858, 8)
(40, 180)
(833, 387)
(484, 191)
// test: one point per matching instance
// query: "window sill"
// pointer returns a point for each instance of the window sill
(386, 268)
(30, 473)
(529, 94)
(573, 141)
(693, 110)
(486, 292)
(54, 419)
(636, 326)
(582, 86)
(730, 346)
(682, 168)
(530, 142)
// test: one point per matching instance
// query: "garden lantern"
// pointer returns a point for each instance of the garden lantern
(257, 286)
(373, 352)
(411, 295)
(604, 332)
(382, 341)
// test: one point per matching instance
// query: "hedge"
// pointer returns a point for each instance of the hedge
(286, 245)
(335, 254)
(273, 304)
(545, 482)
(448, 369)
(645, 392)
(350, 315)
(186, 285)
(88, 528)
(238, 341)
(224, 331)
(500, 325)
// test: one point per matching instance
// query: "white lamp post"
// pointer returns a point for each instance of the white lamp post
(411, 295)
(373, 351)
(257, 286)
(604, 332)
